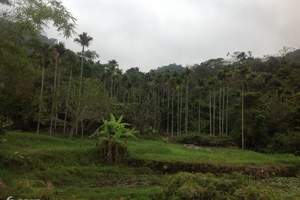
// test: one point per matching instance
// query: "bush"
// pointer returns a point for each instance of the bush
(286, 143)
(252, 193)
(111, 147)
(197, 186)
(207, 140)
(187, 186)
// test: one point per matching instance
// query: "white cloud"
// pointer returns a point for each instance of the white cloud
(149, 33)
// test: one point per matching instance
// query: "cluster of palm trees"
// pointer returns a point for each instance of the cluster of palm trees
(166, 100)
(55, 52)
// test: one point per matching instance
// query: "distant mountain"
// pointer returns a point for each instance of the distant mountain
(294, 56)
(171, 68)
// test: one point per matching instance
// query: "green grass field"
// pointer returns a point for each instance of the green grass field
(145, 149)
(39, 166)
(161, 151)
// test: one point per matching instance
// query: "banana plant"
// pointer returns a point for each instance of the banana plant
(110, 136)
(114, 130)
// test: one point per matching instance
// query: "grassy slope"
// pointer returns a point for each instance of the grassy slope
(161, 151)
(146, 149)
(63, 169)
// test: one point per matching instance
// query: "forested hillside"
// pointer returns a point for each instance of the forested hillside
(46, 87)
(73, 126)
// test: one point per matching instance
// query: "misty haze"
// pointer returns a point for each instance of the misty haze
(149, 99)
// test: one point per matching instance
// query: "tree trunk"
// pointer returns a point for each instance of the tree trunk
(53, 106)
(220, 109)
(227, 109)
(41, 99)
(178, 110)
(155, 109)
(210, 114)
(199, 118)
(223, 110)
(168, 93)
(243, 139)
(186, 108)
(80, 89)
(214, 113)
(172, 114)
(67, 100)
(109, 151)
(116, 153)
(111, 85)
(81, 125)
(56, 94)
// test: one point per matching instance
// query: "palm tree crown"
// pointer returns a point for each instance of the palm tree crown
(84, 40)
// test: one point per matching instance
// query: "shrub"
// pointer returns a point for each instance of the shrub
(253, 193)
(109, 139)
(207, 140)
(197, 186)
(286, 143)
(187, 186)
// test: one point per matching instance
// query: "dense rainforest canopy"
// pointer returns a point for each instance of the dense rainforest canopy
(48, 88)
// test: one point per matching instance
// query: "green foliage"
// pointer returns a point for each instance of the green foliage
(62, 168)
(110, 146)
(43, 85)
(158, 150)
(207, 140)
(84, 40)
(114, 129)
(286, 143)
(185, 186)
(7, 2)
(39, 12)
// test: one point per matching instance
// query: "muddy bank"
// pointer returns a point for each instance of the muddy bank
(256, 171)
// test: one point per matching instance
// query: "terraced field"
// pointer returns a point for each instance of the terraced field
(39, 166)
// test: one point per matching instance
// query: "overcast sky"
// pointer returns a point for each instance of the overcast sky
(151, 33)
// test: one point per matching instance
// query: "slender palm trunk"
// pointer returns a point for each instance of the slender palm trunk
(172, 114)
(81, 125)
(227, 110)
(67, 100)
(186, 108)
(41, 98)
(56, 96)
(111, 85)
(58, 92)
(168, 107)
(158, 110)
(210, 114)
(199, 118)
(80, 91)
(243, 139)
(180, 112)
(155, 109)
(214, 113)
(220, 111)
(223, 109)
(53, 106)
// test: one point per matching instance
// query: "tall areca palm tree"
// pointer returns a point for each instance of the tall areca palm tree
(187, 76)
(112, 67)
(43, 54)
(58, 51)
(84, 40)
